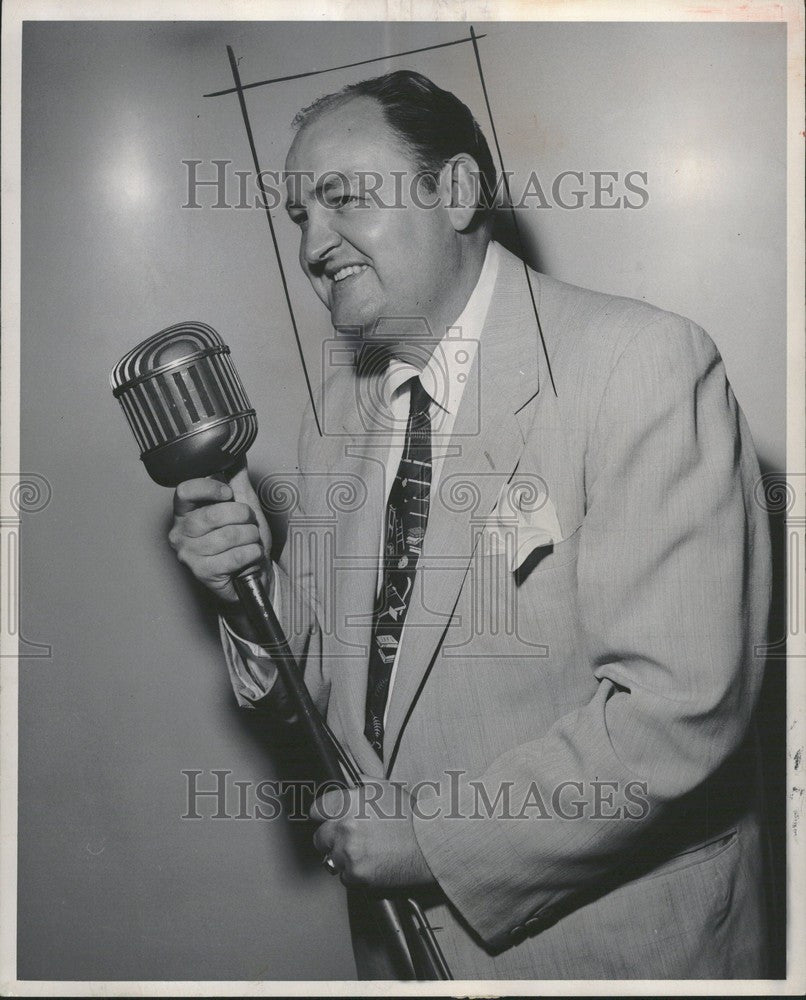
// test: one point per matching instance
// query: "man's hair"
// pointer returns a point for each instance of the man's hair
(432, 124)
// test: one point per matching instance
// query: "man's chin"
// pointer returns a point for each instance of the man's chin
(354, 322)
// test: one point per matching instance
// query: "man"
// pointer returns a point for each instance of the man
(560, 668)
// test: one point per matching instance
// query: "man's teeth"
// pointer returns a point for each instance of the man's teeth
(345, 272)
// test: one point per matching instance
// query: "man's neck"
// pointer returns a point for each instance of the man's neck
(415, 346)
(472, 253)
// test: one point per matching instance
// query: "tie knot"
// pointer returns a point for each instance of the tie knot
(420, 402)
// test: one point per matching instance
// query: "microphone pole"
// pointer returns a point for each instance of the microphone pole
(188, 411)
(407, 927)
(255, 602)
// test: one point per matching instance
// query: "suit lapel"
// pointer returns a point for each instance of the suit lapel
(491, 427)
(492, 424)
(357, 455)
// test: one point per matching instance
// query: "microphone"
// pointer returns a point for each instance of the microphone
(185, 404)
(191, 418)
(188, 411)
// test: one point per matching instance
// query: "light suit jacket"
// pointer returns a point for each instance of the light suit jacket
(580, 724)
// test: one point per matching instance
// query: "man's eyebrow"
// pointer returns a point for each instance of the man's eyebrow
(333, 179)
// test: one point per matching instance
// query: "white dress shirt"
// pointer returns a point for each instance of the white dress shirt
(443, 377)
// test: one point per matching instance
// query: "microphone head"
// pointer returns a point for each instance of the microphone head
(184, 403)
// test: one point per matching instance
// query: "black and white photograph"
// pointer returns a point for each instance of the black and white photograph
(403, 499)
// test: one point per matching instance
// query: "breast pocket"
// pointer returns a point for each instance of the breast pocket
(529, 611)
(545, 558)
(545, 597)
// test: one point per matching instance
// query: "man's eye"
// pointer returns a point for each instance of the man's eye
(346, 199)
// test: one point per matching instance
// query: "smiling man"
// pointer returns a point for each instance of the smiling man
(383, 258)
(536, 635)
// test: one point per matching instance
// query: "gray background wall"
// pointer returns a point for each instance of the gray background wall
(113, 884)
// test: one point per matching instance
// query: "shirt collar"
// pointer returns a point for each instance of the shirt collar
(445, 373)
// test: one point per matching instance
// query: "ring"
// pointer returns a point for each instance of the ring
(330, 864)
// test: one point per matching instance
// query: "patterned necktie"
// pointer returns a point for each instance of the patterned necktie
(406, 520)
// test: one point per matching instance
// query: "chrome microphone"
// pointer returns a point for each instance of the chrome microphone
(191, 417)
(185, 404)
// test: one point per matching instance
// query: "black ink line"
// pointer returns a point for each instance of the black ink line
(473, 37)
(239, 89)
(332, 69)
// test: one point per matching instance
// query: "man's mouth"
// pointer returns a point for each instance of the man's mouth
(348, 272)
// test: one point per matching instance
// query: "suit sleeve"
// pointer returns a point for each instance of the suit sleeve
(673, 592)
(252, 671)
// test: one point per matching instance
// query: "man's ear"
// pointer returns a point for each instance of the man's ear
(460, 190)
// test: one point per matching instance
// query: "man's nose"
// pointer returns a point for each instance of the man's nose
(320, 238)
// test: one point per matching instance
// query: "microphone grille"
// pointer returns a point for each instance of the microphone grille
(184, 403)
(173, 344)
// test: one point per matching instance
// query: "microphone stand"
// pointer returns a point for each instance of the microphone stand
(415, 949)
(181, 439)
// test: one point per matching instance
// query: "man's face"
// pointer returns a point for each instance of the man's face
(366, 261)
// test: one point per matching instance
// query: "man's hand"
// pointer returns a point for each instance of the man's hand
(369, 834)
(219, 529)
